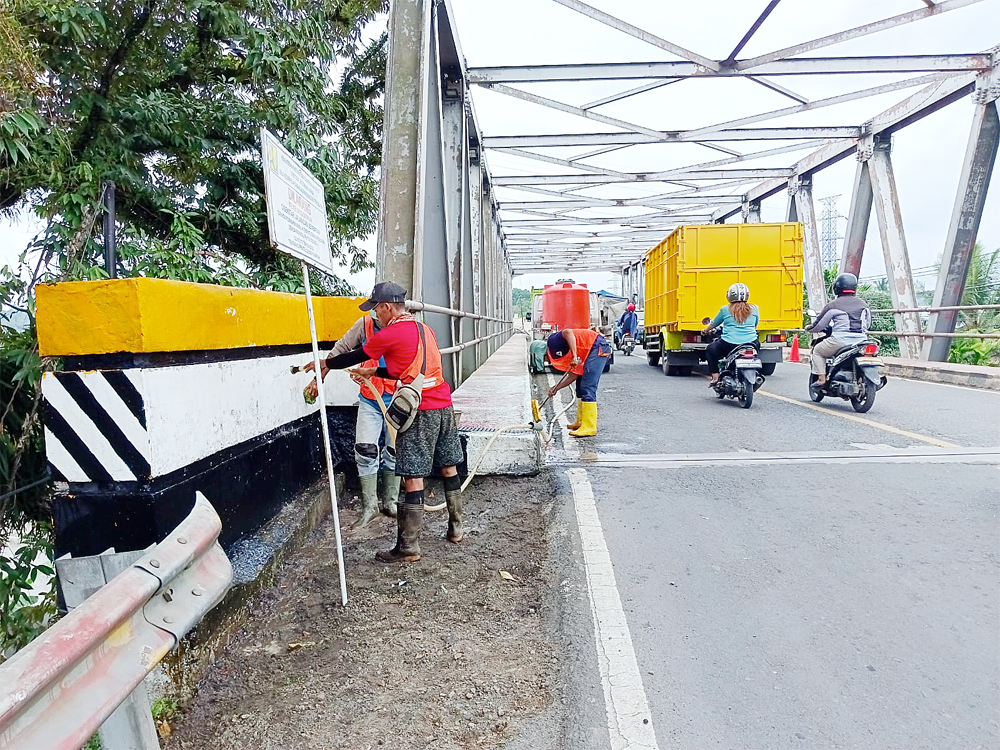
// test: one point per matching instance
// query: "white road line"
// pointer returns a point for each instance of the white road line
(630, 722)
(921, 455)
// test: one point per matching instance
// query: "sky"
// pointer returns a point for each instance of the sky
(926, 156)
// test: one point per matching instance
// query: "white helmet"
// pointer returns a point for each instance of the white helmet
(738, 293)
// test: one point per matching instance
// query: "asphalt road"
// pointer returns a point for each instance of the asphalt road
(813, 601)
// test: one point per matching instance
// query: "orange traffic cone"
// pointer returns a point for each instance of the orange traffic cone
(793, 356)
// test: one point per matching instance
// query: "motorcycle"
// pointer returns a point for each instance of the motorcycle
(627, 344)
(739, 373)
(851, 374)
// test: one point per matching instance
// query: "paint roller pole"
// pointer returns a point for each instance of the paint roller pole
(321, 399)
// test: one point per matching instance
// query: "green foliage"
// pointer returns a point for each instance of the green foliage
(164, 708)
(982, 287)
(25, 613)
(522, 301)
(167, 99)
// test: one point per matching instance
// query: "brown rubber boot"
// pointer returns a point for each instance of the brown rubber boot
(455, 516)
(369, 501)
(388, 492)
(409, 520)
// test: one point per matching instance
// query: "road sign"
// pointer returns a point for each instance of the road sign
(296, 206)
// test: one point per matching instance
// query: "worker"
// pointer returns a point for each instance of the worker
(848, 319)
(432, 441)
(581, 352)
(739, 320)
(374, 449)
(628, 324)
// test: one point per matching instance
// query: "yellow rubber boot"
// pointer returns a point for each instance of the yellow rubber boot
(575, 425)
(588, 420)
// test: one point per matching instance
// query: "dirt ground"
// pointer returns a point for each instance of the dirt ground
(445, 653)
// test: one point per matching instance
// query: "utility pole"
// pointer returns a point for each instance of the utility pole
(830, 238)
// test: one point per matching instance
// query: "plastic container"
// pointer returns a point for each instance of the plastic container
(566, 305)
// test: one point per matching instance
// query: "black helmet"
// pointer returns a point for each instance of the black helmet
(845, 283)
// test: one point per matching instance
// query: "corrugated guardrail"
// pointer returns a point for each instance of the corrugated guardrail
(55, 693)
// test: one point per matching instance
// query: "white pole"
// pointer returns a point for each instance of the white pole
(326, 436)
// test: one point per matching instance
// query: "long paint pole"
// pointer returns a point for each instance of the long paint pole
(321, 398)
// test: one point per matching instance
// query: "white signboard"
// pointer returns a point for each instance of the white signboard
(296, 206)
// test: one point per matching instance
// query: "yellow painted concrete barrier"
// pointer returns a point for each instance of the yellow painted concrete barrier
(155, 315)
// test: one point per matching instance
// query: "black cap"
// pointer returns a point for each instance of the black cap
(384, 291)
(557, 345)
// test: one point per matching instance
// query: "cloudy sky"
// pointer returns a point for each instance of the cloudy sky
(927, 156)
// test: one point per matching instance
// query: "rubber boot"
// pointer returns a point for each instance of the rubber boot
(455, 516)
(575, 425)
(588, 420)
(388, 492)
(369, 501)
(409, 520)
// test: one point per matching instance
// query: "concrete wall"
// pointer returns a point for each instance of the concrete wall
(169, 387)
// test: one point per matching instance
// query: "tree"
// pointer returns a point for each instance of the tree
(166, 99)
(982, 287)
(522, 301)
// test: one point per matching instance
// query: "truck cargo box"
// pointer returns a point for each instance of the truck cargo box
(688, 273)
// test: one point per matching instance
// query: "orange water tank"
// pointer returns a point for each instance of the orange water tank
(566, 305)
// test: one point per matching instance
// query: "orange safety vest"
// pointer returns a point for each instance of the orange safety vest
(585, 339)
(382, 385)
(433, 374)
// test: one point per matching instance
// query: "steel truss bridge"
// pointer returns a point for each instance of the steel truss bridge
(455, 231)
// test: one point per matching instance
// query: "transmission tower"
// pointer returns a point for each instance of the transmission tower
(829, 246)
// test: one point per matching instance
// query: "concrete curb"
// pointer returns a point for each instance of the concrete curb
(970, 376)
(495, 396)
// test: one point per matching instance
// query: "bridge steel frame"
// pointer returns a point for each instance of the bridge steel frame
(563, 227)
(439, 232)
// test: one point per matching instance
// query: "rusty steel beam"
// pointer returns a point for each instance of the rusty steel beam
(858, 217)
(897, 259)
(973, 185)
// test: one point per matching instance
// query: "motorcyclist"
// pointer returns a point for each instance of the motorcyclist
(739, 321)
(628, 323)
(848, 320)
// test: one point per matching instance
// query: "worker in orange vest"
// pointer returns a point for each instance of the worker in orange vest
(374, 448)
(409, 348)
(582, 352)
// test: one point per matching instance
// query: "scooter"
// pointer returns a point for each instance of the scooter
(739, 373)
(851, 374)
(627, 344)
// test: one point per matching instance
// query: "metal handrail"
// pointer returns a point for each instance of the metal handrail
(950, 308)
(58, 690)
(459, 347)
(424, 307)
(897, 334)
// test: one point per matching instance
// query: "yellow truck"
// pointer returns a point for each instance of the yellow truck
(687, 276)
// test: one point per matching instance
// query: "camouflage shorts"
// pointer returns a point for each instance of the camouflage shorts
(432, 442)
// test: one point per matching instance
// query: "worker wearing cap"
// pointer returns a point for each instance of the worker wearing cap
(582, 353)
(374, 450)
(432, 440)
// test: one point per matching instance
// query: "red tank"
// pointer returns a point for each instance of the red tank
(566, 305)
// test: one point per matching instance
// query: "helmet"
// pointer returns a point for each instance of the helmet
(631, 307)
(738, 293)
(846, 283)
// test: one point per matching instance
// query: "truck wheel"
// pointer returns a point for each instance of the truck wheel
(653, 358)
(768, 368)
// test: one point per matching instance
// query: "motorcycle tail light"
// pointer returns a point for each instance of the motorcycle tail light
(749, 354)
(871, 350)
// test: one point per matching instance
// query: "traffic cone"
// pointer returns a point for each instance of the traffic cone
(793, 356)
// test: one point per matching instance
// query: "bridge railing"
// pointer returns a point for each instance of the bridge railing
(60, 689)
(486, 333)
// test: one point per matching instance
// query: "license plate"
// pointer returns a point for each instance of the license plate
(869, 361)
(741, 363)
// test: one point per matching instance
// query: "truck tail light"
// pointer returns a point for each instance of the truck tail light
(690, 338)
(775, 338)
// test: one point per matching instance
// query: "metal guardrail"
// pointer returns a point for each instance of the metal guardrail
(459, 347)
(951, 308)
(57, 691)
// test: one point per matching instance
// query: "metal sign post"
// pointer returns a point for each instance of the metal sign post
(297, 223)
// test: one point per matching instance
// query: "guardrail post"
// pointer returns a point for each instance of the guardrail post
(131, 726)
